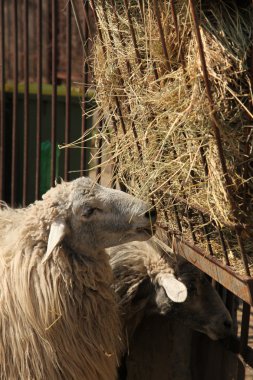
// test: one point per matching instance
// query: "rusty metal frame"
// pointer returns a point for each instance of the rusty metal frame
(237, 226)
(86, 36)
(2, 100)
(223, 274)
(14, 103)
(39, 98)
(105, 53)
(204, 162)
(162, 37)
(120, 74)
(26, 101)
(34, 59)
(54, 90)
(132, 31)
(216, 129)
(68, 89)
(239, 285)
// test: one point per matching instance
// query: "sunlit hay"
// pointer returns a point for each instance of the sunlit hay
(164, 103)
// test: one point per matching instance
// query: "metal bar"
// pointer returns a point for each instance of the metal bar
(177, 217)
(141, 6)
(54, 91)
(249, 356)
(86, 18)
(98, 26)
(214, 121)
(78, 21)
(244, 328)
(230, 303)
(243, 252)
(164, 210)
(68, 90)
(112, 42)
(138, 145)
(202, 154)
(26, 102)
(155, 70)
(176, 212)
(241, 286)
(251, 72)
(223, 244)
(21, 7)
(247, 143)
(157, 77)
(132, 32)
(2, 101)
(204, 162)
(99, 159)
(48, 38)
(189, 218)
(193, 206)
(240, 368)
(215, 127)
(8, 39)
(160, 27)
(87, 28)
(120, 114)
(114, 174)
(34, 42)
(205, 212)
(115, 163)
(105, 54)
(209, 244)
(14, 103)
(114, 123)
(128, 64)
(39, 98)
(174, 16)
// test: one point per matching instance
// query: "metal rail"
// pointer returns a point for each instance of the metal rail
(215, 126)
(87, 31)
(26, 102)
(14, 103)
(54, 91)
(239, 285)
(2, 100)
(39, 99)
(68, 91)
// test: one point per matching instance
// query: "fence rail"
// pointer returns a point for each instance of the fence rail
(45, 75)
(43, 87)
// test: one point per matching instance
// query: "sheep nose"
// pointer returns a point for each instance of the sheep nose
(151, 214)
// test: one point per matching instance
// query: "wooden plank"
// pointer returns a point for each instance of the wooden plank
(241, 286)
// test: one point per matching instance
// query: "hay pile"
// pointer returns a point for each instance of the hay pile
(158, 114)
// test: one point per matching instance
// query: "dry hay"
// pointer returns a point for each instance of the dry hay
(159, 123)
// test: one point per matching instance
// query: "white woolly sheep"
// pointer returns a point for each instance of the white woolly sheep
(150, 281)
(58, 314)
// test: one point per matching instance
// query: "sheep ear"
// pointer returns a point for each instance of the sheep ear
(57, 232)
(174, 289)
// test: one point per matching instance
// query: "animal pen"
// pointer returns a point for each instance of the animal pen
(164, 88)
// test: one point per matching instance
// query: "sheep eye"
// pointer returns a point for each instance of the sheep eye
(88, 211)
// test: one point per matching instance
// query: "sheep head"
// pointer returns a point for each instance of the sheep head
(198, 307)
(148, 280)
(90, 217)
(203, 309)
